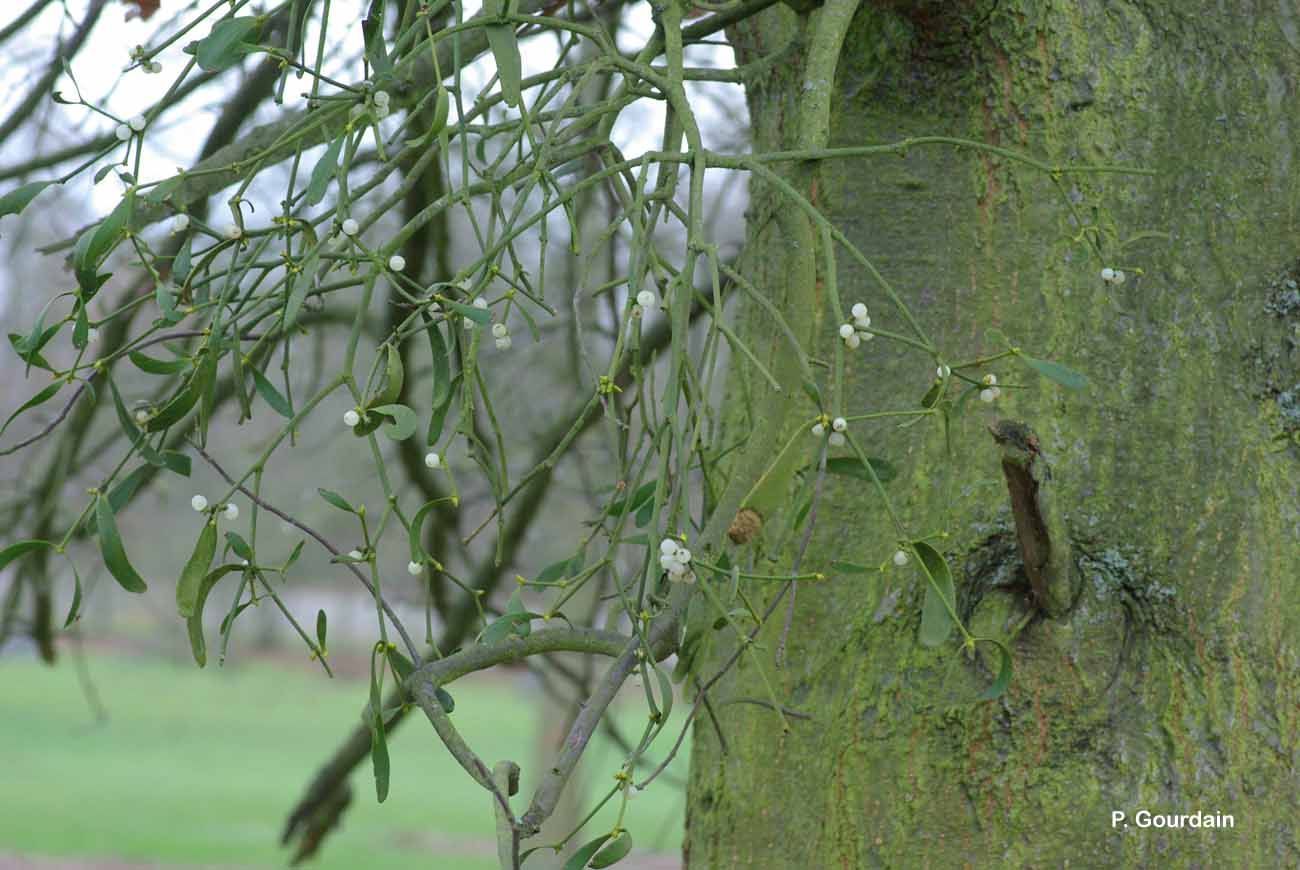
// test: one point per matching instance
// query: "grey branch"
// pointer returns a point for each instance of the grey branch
(428, 678)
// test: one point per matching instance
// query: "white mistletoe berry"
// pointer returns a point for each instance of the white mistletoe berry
(500, 330)
(1108, 274)
(1119, 277)
(859, 311)
(397, 262)
(154, 67)
(232, 231)
(847, 331)
(818, 429)
(137, 123)
(839, 424)
(480, 302)
(432, 460)
(836, 439)
(900, 558)
(180, 223)
(668, 546)
(645, 298)
(199, 503)
(122, 132)
(413, 568)
(141, 415)
(351, 227)
(351, 418)
(504, 343)
(380, 98)
(231, 512)
(989, 380)
(942, 372)
(354, 554)
(989, 394)
(854, 340)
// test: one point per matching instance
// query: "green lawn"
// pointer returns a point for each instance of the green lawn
(201, 767)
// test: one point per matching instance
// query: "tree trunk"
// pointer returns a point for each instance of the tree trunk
(1171, 684)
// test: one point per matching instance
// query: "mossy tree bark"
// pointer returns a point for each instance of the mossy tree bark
(1172, 683)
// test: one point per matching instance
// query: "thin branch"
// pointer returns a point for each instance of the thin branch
(318, 538)
(660, 635)
(41, 89)
(23, 19)
(50, 426)
(427, 679)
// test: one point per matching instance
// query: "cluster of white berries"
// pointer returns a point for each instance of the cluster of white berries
(149, 66)
(501, 333)
(135, 124)
(990, 391)
(838, 426)
(676, 560)
(432, 460)
(200, 504)
(1112, 276)
(856, 332)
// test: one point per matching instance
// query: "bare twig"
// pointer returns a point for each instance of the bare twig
(50, 427)
(41, 89)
